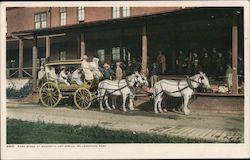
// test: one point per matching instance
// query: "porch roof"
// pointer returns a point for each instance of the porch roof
(131, 20)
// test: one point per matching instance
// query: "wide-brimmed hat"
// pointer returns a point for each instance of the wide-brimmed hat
(85, 57)
(106, 65)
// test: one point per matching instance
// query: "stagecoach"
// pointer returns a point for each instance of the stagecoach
(50, 92)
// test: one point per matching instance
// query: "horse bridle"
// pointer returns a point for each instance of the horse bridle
(192, 80)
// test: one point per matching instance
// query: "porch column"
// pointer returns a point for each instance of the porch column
(235, 54)
(34, 64)
(144, 47)
(82, 45)
(47, 54)
(20, 67)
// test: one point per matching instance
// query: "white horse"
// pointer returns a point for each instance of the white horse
(122, 88)
(182, 88)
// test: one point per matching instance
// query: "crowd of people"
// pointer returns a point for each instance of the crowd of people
(213, 63)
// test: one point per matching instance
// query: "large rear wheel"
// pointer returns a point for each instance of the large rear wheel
(50, 94)
(82, 98)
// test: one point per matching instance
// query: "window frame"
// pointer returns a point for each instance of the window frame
(82, 9)
(126, 11)
(116, 12)
(64, 57)
(62, 11)
(40, 21)
(103, 54)
(116, 56)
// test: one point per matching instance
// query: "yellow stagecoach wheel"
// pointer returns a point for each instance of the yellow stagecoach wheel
(82, 98)
(50, 94)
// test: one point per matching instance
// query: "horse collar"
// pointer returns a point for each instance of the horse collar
(190, 85)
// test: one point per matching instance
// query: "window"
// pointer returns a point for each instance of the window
(115, 53)
(116, 12)
(42, 61)
(12, 63)
(101, 54)
(63, 55)
(81, 13)
(40, 20)
(125, 11)
(63, 16)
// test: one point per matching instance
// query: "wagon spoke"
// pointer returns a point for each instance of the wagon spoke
(81, 103)
(81, 93)
(46, 99)
(52, 100)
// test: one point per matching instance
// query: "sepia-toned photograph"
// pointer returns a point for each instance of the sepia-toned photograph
(94, 77)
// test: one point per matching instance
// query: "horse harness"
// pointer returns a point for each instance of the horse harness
(132, 89)
(188, 79)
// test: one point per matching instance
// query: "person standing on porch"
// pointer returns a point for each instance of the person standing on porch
(161, 59)
(180, 61)
(118, 71)
(154, 77)
(108, 72)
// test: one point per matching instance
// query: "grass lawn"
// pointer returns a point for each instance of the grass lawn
(23, 132)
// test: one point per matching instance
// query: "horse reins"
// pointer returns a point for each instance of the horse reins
(178, 83)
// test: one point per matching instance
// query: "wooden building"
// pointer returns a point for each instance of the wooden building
(119, 33)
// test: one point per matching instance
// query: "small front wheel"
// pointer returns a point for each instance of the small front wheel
(82, 98)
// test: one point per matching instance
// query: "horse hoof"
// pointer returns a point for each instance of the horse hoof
(124, 110)
(156, 112)
(187, 112)
(164, 110)
(102, 109)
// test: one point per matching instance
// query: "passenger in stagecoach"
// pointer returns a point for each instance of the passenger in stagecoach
(86, 69)
(41, 75)
(108, 73)
(51, 74)
(77, 76)
(63, 76)
(94, 68)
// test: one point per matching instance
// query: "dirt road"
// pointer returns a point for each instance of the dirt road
(222, 127)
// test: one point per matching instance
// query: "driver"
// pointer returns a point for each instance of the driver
(86, 69)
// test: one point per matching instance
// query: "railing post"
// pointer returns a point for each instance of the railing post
(34, 66)
(47, 48)
(144, 47)
(20, 67)
(82, 45)
(235, 54)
